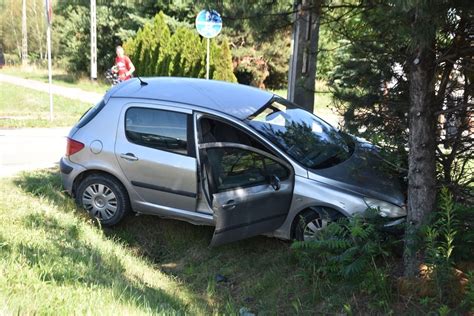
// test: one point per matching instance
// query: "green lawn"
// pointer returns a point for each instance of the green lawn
(54, 260)
(23, 107)
(60, 77)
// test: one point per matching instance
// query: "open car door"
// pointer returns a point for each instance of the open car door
(250, 190)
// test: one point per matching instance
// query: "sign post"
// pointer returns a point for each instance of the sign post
(208, 25)
(49, 17)
(93, 40)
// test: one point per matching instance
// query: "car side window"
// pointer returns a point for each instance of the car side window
(234, 167)
(218, 131)
(158, 129)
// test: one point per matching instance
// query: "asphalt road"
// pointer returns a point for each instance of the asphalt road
(30, 148)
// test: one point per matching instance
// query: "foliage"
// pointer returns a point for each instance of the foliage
(445, 246)
(468, 301)
(371, 88)
(351, 251)
(10, 28)
(440, 245)
(157, 52)
(346, 249)
(115, 22)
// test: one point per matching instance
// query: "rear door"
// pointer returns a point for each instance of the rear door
(251, 190)
(156, 152)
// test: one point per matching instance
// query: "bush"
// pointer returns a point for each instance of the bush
(156, 52)
(12, 59)
(352, 251)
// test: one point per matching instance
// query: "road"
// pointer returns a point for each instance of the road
(30, 148)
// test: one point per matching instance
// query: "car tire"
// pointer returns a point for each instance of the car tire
(104, 197)
(308, 224)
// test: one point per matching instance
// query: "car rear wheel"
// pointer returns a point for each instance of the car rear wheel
(309, 224)
(104, 198)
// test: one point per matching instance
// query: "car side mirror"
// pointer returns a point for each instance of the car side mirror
(275, 182)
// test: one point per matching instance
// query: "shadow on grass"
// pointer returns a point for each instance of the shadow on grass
(258, 266)
(68, 259)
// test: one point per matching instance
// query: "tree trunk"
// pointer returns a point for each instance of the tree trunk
(302, 76)
(421, 140)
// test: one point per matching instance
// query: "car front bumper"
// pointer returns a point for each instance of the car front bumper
(396, 226)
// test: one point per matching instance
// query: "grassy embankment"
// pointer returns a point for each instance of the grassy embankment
(23, 107)
(53, 259)
(60, 77)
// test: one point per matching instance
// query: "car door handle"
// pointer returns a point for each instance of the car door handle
(230, 205)
(129, 157)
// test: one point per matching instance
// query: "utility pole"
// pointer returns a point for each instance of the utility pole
(24, 43)
(93, 41)
(49, 20)
(303, 59)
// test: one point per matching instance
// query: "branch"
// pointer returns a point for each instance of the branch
(466, 105)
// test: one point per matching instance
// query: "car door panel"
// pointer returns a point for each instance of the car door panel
(160, 177)
(256, 210)
(253, 208)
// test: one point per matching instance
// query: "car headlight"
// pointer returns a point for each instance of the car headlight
(386, 209)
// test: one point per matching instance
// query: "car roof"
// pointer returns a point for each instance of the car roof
(236, 100)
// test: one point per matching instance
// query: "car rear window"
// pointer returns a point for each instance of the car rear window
(90, 114)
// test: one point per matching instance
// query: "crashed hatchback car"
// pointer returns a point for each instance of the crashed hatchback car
(214, 153)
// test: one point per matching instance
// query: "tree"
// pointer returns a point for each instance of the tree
(158, 52)
(222, 70)
(422, 126)
(116, 21)
(403, 80)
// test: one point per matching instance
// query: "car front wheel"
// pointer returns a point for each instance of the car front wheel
(104, 198)
(309, 224)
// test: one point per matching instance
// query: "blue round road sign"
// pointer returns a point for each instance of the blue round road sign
(208, 23)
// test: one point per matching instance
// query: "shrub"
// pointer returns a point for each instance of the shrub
(156, 52)
(352, 251)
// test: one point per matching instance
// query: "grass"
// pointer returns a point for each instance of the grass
(23, 107)
(60, 77)
(54, 259)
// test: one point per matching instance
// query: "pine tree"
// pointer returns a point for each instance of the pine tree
(222, 70)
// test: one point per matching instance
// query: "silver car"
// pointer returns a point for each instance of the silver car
(214, 153)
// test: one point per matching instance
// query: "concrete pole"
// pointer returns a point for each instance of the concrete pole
(302, 75)
(24, 33)
(93, 41)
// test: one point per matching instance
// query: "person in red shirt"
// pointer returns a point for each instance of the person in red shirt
(123, 65)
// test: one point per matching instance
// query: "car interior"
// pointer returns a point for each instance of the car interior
(229, 168)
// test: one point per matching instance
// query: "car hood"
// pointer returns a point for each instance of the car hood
(364, 173)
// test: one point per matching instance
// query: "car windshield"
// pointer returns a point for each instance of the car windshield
(305, 137)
